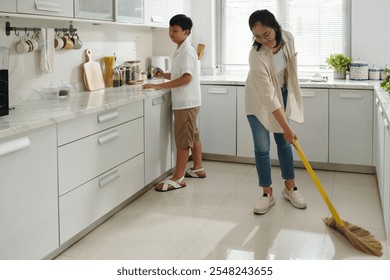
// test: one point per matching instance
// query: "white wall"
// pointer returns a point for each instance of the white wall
(370, 31)
(129, 43)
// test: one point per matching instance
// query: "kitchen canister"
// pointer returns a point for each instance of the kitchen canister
(359, 70)
(374, 73)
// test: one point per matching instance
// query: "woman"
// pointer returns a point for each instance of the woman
(271, 96)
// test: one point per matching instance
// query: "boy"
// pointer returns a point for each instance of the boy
(186, 100)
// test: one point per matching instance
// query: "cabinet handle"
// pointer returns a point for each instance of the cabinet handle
(14, 145)
(351, 95)
(48, 6)
(108, 137)
(158, 100)
(309, 94)
(108, 179)
(157, 19)
(217, 91)
(108, 116)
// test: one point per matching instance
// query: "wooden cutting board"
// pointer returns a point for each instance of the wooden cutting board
(93, 77)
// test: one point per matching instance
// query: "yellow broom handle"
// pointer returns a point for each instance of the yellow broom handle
(317, 183)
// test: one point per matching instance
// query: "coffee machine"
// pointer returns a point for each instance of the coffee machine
(4, 105)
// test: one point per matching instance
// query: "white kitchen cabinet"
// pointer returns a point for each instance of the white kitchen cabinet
(95, 9)
(156, 12)
(89, 202)
(29, 203)
(100, 165)
(218, 119)
(159, 12)
(84, 159)
(379, 147)
(130, 11)
(351, 126)
(386, 177)
(57, 8)
(8, 6)
(158, 143)
(245, 146)
(313, 133)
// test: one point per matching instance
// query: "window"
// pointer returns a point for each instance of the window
(319, 28)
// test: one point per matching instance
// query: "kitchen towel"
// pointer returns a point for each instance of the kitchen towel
(47, 53)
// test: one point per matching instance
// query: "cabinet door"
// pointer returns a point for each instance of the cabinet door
(174, 7)
(58, 8)
(95, 9)
(8, 6)
(156, 12)
(351, 126)
(218, 119)
(29, 196)
(158, 146)
(313, 133)
(386, 178)
(379, 147)
(245, 146)
(130, 11)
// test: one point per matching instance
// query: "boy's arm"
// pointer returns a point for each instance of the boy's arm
(181, 81)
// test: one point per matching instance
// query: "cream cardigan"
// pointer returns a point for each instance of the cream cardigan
(263, 93)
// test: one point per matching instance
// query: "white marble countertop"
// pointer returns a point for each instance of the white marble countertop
(30, 115)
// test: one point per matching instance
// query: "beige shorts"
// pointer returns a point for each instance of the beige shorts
(185, 129)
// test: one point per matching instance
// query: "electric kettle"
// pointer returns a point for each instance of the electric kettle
(163, 62)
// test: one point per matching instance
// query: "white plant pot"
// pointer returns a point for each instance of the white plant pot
(337, 75)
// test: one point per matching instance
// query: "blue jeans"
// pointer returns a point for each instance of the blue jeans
(261, 142)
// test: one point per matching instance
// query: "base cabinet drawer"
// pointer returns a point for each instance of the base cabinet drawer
(89, 202)
(81, 127)
(83, 160)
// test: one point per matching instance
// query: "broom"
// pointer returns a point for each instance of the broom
(360, 238)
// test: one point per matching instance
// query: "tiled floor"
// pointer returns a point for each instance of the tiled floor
(212, 219)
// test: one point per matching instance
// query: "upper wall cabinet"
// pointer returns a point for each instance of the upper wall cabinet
(95, 9)
(8, 6)
(130, 11)
(58, 8)
(156, 12)
(159, 12)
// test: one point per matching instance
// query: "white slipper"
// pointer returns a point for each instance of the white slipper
(192, 173)
(169, 185)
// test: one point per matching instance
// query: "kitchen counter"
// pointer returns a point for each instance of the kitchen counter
(30, 115)
(238, 79)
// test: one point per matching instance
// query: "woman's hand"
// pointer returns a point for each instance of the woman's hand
(289, 135)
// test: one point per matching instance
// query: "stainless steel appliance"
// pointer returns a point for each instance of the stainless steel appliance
(4, 103)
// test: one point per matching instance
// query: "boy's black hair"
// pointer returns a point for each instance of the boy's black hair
(181, 20)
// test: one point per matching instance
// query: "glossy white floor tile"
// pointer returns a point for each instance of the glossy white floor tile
(212, 219)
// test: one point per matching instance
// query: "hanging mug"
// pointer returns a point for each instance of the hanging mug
(77, 44)
(68, 43)
(58, 42)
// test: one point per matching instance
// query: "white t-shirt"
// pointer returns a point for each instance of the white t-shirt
(185, 60)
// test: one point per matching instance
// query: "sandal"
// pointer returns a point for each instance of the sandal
(195, 173)
(169, 185)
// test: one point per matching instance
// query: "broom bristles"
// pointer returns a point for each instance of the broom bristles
(360, 238)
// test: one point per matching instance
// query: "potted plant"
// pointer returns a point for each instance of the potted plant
(385, 84)
(339, 63)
